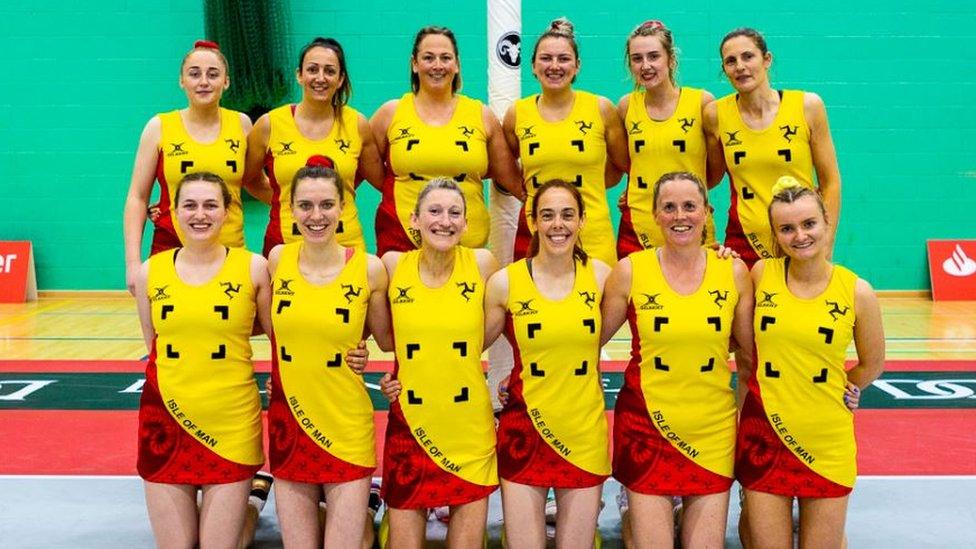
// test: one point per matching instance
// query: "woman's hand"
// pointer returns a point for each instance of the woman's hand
(503, 391)
(852, 396)
(390, 387)
(357, 358)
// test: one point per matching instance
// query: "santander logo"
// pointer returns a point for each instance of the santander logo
(959, 264)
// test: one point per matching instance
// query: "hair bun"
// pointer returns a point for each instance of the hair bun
(652, 24)
(561, 26)
(786, 182)
(209, 44)
(320, 161)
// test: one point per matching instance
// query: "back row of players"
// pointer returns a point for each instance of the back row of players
(440, 447)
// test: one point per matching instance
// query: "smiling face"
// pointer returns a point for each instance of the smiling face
(321, 74)
(204, 77)
(317, 207)
(650, 63)
(557, 220)
(744, 63)
(555, 63)
(440, 219)
(200, 210)
(800, 227)
(435, 64)
(680, 210)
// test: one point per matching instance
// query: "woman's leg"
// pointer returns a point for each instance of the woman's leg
(822, 522)
(297, 504)
(769, 520)
(346, 504)
(466, 530)
(705, 517)
(172, 513)
(651, 521)
(576, 518)
(222, 514)
(523, 507)
(408, 528)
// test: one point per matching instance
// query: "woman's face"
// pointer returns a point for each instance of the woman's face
(744, 65)
(557, 221)
(440, 219)
(680, 211)
(650, 63)
(799, 227)
(321, 74)
(204, 78)
(436, 63)
(555, 64)
(317, 208)
(200, 210)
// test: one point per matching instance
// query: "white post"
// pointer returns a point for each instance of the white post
(504, 88)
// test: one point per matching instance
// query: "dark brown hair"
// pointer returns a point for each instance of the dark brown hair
(341, 96)
(558, 28)
(318, 167)
(209, 178)
(423, 33)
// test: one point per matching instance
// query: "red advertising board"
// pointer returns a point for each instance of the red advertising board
(17, 280)
(952, 267)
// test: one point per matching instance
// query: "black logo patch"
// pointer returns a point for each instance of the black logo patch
(789, 132)
(350, 292)
(404, 134)
(635, 128)
(733, 138)
(285, 148)
(525, 308)
(466, 131)
(835, 311)
(686, 124)
(651, 303)
(467, 288)
(403, 295)
(527, 132)
(230, 289)
(720, 297)
(233, 144)
(343, 145)
(767, 300)
(160, 293)
(509, 49)
(583, 126)
(589, 298)
(177, 149)
(283, 288)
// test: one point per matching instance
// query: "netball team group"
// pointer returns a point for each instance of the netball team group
(436, 298)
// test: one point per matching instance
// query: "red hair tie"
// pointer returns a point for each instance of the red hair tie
(320, 161)
(653, 24)
(209, 44)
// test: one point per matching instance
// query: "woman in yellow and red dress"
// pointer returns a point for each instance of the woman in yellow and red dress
(440, 439)
(320, 417)
(203, 137)
(796, 433)
(321, 124)
(552, 431)
(433, 131)
(675, 418)
(200, 414)
(566, 134)
(763, 134)
(665, 133)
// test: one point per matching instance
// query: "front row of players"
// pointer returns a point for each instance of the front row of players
(675, 431)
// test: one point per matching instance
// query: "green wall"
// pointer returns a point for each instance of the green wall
(80, 81)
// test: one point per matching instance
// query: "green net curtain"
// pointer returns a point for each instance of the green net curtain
(253, 34)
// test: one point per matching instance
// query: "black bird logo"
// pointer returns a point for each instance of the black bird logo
(589, 298)
(789, 132)
(584, 126)
(229, 289)
(733, 138)
(467, 288)
(835, 310)
(343, 145)
(720, 297)
(686, 124)
(767, 300)
(234, 144)
(350, 292)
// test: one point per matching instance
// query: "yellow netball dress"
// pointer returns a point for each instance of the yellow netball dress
(657, 147)
(553, 431)
(797, 435)
(200, 415)
(574, 150)
(755, 160)
(288, 151)
(320, 417)
(419, 152)
(674, 425)
(440, 439)
(179, 154)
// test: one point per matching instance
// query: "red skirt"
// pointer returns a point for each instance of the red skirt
(524, 457)
(764, 464)
(644, 461)
(168, 454)
(411, 480)
(295, 456)
(627, 241)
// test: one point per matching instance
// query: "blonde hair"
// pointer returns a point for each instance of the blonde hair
(653, 27)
